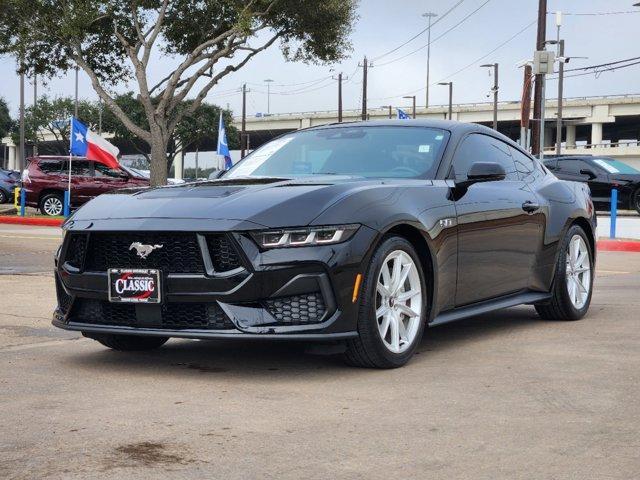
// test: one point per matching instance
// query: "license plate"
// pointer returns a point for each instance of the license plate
(134, 285)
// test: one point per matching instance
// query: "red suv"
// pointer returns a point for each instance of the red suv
(46, 178)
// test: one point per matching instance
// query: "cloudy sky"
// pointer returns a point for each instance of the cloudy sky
(461, 39)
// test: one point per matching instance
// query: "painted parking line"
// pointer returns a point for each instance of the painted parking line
(29, 237)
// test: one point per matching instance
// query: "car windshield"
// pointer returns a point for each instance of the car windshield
(365, 151)
(615, 166)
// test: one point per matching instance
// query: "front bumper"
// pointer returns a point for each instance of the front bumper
(290, 293)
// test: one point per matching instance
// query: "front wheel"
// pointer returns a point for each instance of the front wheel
(573, 281)
(4, 196)
(393, 308)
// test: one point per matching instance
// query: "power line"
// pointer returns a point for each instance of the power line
(510, 39)
(317, 80)
(435, 39)
(603, 64)
(422, 32)
(594, 14)
(598, 72)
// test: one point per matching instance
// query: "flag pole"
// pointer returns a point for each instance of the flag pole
(67, 200)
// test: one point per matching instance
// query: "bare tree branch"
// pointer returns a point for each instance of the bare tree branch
(106, 98)
(214, 80)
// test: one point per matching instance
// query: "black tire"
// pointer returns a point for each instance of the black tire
(368, 350)
(635, 201)
(130, 343)
(54, 198)
(4, 196)
(560, 307)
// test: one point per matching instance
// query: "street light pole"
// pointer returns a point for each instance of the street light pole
(412, 97)
(429, 16)
(268, 81)
(35, 105)
(450, 84)
(560, 84)
(75, 107)
(495, 93)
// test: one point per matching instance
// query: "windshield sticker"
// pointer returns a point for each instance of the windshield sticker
(253, 161)
(424, 148)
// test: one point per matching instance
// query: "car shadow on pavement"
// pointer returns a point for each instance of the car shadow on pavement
(253, 357)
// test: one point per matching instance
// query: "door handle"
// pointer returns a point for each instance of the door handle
(530, 206)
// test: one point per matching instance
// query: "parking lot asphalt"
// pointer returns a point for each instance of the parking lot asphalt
(503, 395)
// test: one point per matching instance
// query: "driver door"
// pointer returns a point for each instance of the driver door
(499, 229)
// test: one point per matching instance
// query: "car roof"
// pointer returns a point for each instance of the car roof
(55, 157)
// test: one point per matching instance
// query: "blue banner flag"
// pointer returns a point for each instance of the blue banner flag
(223, 147)
(402, 115)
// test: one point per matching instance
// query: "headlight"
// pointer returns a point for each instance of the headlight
(304, 237)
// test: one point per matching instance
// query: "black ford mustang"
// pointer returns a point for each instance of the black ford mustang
(359, 233)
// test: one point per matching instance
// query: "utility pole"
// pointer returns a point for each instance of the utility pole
(35, 105)
(450, 84)
(560, 84)
(538, 91)
(22, 158)
(243, 128)
(525, 107)
(100, 115)
(495, 93)
(390, 107)
(268, 81)
(429, 16)
(340, 97)
(413, 97)
(75, 108)
(364, 88)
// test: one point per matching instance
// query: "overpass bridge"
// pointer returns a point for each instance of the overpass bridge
(605, 125)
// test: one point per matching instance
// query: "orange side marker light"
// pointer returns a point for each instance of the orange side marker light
(356, 288)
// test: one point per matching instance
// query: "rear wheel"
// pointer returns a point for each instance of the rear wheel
(393, 308)
(52, 204)
(573, 281)
(130, 343)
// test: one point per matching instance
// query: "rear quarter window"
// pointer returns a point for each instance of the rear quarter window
(50, 167)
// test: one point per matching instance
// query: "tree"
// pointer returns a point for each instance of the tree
(5, 118)
(113, 40)
(50, 117)
(190, 133)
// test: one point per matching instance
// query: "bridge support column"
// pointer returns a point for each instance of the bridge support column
(178, 166)
(548, 137)
(571, 136)
(13, 157)
(596, 133)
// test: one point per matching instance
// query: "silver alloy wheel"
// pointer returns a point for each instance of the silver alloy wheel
(578, 271)
(53, 206)
(398, 301)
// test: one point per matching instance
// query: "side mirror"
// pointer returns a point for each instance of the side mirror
(483, 172)
(590, 173)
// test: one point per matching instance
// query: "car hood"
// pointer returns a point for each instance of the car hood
(257, 202)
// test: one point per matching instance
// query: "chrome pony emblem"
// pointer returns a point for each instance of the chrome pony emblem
(143, 251)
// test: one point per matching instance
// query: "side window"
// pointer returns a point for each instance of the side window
(102, 171)
(50, 167)
(572, 167)
(482, 148)
(80, 168)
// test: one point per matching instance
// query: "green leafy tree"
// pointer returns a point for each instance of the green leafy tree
(5, 118)
(113, 41)
(48, 121)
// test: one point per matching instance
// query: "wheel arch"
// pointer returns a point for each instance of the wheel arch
(47, 191)
(588, 229)
(425, 252)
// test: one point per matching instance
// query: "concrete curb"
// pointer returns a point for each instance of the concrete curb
(606, 245)
(34, 221)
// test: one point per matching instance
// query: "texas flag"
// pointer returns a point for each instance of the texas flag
(85, 143)
(223, 147)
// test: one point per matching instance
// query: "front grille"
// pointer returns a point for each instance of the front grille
(180, 252)
(173, 316)
(223, 255)
(298, 309)
(64, 299)
(76, 250)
